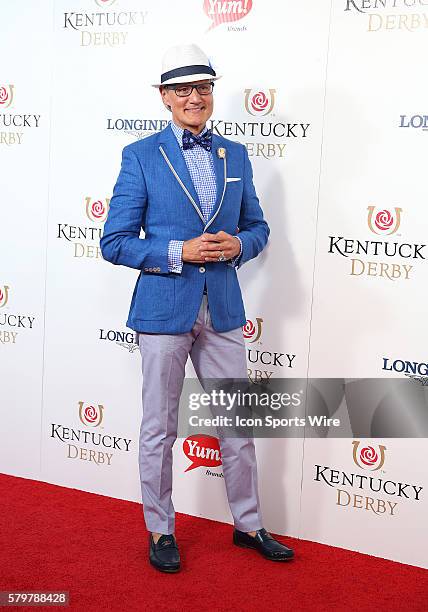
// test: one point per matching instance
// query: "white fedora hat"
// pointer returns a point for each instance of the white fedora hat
(185, 64)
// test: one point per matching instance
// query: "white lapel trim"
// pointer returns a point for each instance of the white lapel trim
(222, 196)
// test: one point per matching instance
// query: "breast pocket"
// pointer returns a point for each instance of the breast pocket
(155, 297)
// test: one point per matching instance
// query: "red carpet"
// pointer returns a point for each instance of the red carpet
(53, 538)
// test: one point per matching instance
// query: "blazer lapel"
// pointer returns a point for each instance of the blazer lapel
(219, 174)
(169, 144)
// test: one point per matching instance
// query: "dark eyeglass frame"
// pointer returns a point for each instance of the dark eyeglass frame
(192, 87)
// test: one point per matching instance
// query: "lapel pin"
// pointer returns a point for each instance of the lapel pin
(221, 153)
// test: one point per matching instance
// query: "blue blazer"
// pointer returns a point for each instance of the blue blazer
(154, 192)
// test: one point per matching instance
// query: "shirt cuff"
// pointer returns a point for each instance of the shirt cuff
(234, 261)
(175, 261)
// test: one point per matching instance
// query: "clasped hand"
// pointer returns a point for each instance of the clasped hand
(209, 247)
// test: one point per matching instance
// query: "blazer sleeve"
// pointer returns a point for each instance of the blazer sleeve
(253, 229)
(121, 243)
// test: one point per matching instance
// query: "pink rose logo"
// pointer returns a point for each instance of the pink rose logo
(252, 331)
(4, 96)
(249, 329)
(97, 210)
(91, 415)
(384, 220)
(259, 101)
(368, 455)
(4, 294)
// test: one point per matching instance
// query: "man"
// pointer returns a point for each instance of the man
(193, 195)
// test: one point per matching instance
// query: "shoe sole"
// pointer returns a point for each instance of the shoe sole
(263, 555)
(165, 570)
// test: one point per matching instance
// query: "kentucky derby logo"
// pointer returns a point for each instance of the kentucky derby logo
(105, 2)
(251, 331)
(258, 102)
(367, 457)
(97, 210)
(223, 11)
(6, 96)
(4, 295)
(384, 222)
(90, 415)
(202, 450)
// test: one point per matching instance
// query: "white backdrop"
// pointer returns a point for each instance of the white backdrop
(330, 88)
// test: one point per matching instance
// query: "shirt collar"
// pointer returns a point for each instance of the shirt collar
(178, 132)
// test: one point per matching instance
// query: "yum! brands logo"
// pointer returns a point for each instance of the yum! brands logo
(4, 295)
(89, 415)
(226, 11)
(384, 222)
(258, 102)
(367, 457)
(6, 96)
(97, 210)
(202, 450)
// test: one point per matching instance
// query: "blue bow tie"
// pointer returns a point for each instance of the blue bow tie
(190, 140)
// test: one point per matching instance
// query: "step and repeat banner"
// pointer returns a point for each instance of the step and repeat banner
(330, 100)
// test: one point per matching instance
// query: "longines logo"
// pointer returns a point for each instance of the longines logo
(260, 358)
(366, 497)
(225, 11)
(11, 324)
(91, 416)
(383, 223)
(13, 120)
(391, 14)
(367, 457)
(137, 128)
(416, 370)
(104, 28)
(417, 122)
(85, 239)
(125, 340)
(259, 103)
(202, 450)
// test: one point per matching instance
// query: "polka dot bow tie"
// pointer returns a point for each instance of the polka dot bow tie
(190, 140)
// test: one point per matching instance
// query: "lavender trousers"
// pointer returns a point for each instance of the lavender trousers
(214, 355)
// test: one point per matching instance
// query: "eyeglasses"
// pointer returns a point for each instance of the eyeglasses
(183, 91)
